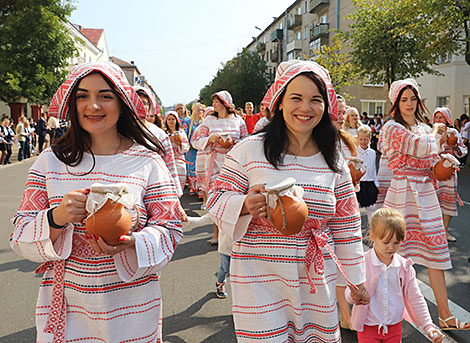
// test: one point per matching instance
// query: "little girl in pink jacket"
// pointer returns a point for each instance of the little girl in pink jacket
(392, 286)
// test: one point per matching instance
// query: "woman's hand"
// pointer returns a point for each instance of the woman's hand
(435, 335)
(255, 202)
(72, 207)
(214, 138)
(184, 216)
(439, 129)
(360, 296)
(100, 246)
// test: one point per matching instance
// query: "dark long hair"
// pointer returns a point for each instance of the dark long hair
(276, 140)
(70, 148)
(418, 113)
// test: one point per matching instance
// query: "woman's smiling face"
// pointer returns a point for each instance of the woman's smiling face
(302, 106)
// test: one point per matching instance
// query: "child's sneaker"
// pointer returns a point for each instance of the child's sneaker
(220, 290)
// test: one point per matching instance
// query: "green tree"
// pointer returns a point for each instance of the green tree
(244, 77)
(342, 71)
(460, 10)
(398, 39)
(34, 47)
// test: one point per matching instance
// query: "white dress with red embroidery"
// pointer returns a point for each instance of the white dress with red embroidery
(447, 190)
(213, 154)
(85, 296)
(411, 156)
(275, 299)
(169, 156)
(180, 161)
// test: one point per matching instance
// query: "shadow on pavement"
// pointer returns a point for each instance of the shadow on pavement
(27, 335)
(196, 247)
(185, 320)
(24, 266)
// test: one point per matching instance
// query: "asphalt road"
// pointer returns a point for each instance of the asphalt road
(192, 313)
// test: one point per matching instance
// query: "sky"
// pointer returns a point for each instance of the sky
(177, 45)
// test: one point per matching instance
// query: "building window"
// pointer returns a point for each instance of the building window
(444, 59)
(306, 32)
(315, 46)
(264, 39)
(299, 35)
(299, 10)
(323, 19)
(280, 25)
(291, 56)
(372, 107)
(443, 101)
(306, 6)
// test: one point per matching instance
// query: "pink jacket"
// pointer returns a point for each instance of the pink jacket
(416, 309)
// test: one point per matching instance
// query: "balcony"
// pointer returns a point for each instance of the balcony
(317, 5)
(320, 31)
(261, 47)
(276, 35)
(294, 45)
(294, 22)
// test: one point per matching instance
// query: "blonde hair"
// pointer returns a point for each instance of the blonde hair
(365, 129)
(349, 111)
(386, 223)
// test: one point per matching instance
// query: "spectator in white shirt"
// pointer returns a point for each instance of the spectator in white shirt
(367, 196)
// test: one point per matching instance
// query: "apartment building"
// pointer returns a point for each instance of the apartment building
(301, 30)
(306, 25)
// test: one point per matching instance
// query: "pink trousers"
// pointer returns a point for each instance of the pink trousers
(371, 334)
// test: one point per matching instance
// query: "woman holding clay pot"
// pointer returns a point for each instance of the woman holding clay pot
(219, 132)
(450, 142)
(412, 150)
(93, 291)
(284, 285)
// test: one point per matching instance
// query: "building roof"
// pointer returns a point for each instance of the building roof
(93, 35)
(123, 64)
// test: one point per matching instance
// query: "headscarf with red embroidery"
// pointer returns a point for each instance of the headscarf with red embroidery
(289, 70)
(173, 113)
(398, 85)
(445, 112)
(153, 101)
(226, 98)
(61, 100)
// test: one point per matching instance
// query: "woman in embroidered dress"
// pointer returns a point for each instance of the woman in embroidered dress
(195, 121)
(348, 148)
(284, 286)
(179, 142)
(154, 126)
(200, 161)
(92, 291)
(222, 123)
(412, 152)
(447, 190)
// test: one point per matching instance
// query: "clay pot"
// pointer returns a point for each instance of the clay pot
(442, 172)
(176, 139)
(356, 174)
(451, 139)
(110, 222)
(296, 214)
(226, 142)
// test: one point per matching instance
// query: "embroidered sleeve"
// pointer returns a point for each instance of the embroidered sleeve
(201, 137)
(30, 236)
(346, 230)
(226, 199)
(156, 242)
